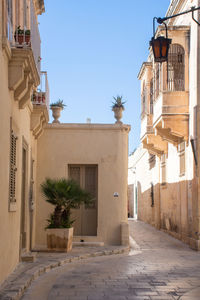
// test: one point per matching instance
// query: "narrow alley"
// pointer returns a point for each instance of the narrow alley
(157, 267)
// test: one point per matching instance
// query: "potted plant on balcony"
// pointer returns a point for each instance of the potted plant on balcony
(118, 107)
(27, 36)
(38, 97)
(56, 108)
(64, 194)
(21, 36)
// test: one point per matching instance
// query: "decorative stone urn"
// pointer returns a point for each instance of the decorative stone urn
(59, 239)
(56, 113)
(118, 114)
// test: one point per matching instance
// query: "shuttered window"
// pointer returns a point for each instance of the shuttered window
(163, 170)
(13, 168)
(181, 148)
(151, 96)
(157, 80)
(143, 98)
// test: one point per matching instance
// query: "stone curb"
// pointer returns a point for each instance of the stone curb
(16, 285)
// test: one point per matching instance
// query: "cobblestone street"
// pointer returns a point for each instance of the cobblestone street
(158, 267)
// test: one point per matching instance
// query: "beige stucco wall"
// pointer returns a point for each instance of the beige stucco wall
(104, 145)
(10, 221)
(11, 115)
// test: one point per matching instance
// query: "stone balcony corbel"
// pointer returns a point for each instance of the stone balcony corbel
(151, 149)
(173, 130)
(39, 117)
(23, 75)
(155, 144)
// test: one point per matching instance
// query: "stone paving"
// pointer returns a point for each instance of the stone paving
(16, 284)
(157, 267)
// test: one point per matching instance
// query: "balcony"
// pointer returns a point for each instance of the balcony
(40, 101)
(146, 126)
(171, 116)
(41, 95)
(154, 144)
(22, 47)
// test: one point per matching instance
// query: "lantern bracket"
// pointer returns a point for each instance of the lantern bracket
(155, 18)
(162, 20)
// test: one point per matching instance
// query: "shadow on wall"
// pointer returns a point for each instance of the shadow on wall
(171, 207)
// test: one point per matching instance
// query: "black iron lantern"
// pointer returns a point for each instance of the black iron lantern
(160, 48)
(160, 45)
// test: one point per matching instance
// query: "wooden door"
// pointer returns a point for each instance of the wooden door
(86, 215)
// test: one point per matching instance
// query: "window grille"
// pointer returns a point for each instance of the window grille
(13, 168)
(176, 68)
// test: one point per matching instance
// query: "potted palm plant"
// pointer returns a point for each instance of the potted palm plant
(64, 194)
(118, 107)
(56, 108)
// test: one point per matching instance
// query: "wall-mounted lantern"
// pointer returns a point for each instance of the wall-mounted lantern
(160, 45)
(160, 48)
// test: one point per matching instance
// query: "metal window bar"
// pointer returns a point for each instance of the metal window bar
(176, 68)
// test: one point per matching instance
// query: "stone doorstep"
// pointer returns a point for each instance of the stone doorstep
(28, 257)
(88, 244)
(17, 291)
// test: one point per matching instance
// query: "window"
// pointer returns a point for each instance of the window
(25, 14)
(157, 80)
(143, 100)
(163, 169)
(152, 161)
(181, 148)
(13, 168)
(151, 96)
(152, 195)
(176, 68)
(9, 23)
(9, 10)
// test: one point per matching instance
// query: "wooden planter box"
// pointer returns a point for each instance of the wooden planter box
(59, 239)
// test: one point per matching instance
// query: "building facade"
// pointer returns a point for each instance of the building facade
(32, 149)
(21, 123)
(168, 185)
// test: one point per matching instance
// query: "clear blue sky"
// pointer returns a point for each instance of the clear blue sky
(92, 51)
